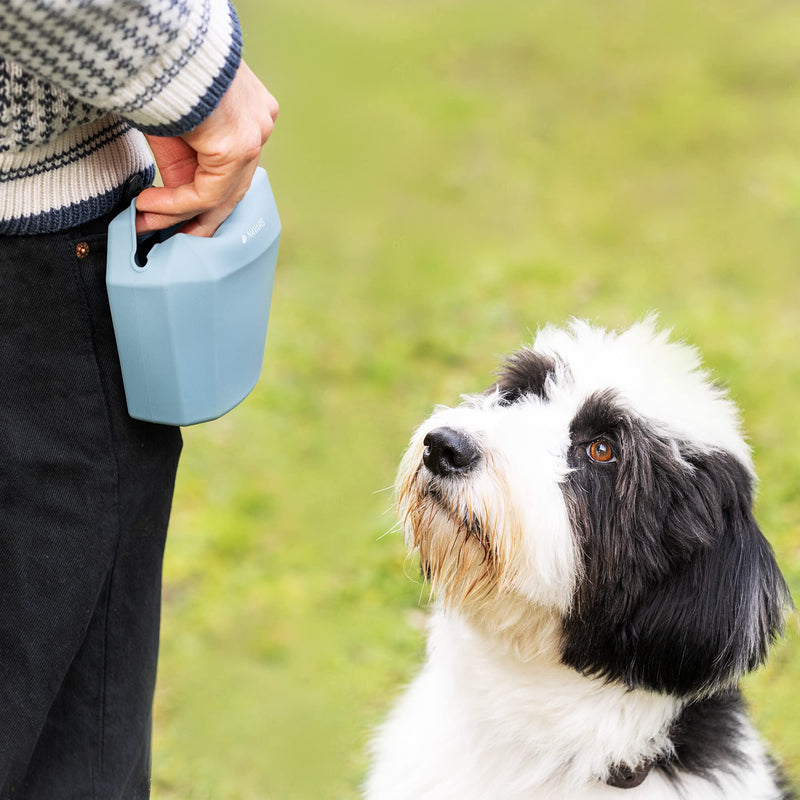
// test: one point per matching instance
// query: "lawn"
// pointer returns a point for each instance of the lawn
(451, 175)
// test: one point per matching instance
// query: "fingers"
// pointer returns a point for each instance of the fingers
(205, 223)
(208, 170)
(204, 203)
(154, 212)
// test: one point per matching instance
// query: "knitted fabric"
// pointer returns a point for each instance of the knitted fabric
(79, 82)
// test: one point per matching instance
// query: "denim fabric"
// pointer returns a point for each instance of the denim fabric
(85, 494)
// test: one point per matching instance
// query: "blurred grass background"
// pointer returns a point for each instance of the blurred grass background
(451, 175)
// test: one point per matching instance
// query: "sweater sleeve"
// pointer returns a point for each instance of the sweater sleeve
(161, 64)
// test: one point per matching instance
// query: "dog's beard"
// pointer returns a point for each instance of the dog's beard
(455, 555)
(463, 533)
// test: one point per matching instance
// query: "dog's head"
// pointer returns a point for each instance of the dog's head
(604, 481)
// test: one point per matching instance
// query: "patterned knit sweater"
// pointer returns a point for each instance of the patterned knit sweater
(79, 82)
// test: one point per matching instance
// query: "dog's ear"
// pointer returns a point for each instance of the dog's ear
(704, 597)
(713, 616)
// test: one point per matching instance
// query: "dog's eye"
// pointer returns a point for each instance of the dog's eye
(601, 452)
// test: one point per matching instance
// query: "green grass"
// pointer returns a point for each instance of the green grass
(452, 174)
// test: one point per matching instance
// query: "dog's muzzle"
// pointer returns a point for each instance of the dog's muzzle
(449, 452)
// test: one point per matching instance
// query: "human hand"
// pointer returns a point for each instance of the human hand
(208, 170)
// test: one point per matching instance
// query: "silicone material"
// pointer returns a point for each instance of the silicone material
(190, 314)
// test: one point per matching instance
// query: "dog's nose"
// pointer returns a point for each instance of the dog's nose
(448, 452)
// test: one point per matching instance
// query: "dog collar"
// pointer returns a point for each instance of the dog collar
(623, 777)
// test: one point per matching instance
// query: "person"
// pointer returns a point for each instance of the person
(85, 491)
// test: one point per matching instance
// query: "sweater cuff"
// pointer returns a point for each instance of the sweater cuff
(179, 93)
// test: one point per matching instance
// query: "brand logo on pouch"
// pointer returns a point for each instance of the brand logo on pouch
(253, 230)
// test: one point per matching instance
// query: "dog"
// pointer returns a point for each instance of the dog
(600, 584)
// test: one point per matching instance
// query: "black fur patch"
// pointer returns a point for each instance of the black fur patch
(788, 792)
(707, 737)
(680, 591)
(524, 373)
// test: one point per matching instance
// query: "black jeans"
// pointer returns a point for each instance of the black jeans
(85, 494)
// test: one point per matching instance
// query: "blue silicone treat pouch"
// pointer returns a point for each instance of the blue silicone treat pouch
(190, 314)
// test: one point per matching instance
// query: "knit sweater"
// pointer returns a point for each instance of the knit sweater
(80, 80)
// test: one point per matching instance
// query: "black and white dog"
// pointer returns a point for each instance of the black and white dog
(601, 585)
